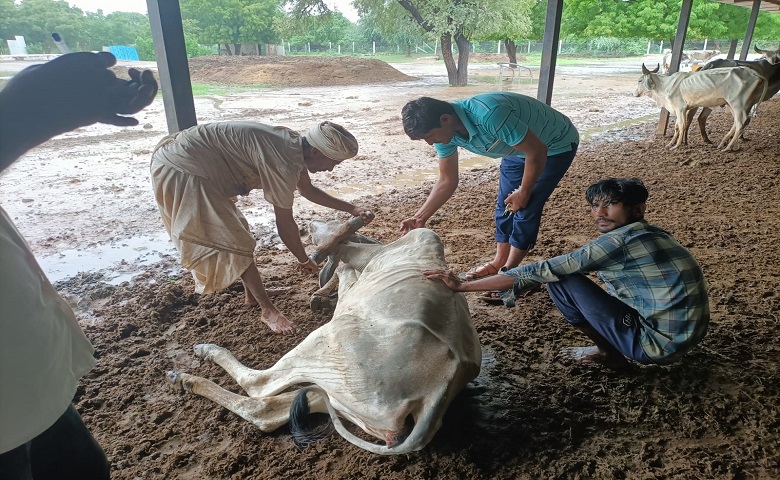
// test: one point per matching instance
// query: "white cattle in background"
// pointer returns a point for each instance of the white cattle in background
(396, 352)
(769, 71)
(738, 87)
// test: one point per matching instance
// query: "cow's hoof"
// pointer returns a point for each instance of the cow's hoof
(175, 378)
(206, 351)
(323, 304)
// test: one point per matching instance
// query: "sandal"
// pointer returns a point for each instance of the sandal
(492, 297)
(480, 271)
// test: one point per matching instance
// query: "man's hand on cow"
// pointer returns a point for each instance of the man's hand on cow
(517, 200)
(444, 276)
(411, 223)
(308, 266)
(364, 213)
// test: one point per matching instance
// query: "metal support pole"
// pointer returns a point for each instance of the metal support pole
(749, 31)
(172, 65)
(674, 63)
(552, 28)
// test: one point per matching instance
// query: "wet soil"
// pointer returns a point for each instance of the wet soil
(529, 414)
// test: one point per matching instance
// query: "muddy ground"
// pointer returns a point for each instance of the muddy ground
(529, 414)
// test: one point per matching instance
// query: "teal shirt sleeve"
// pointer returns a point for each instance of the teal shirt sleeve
(597, 255)
(444, 150)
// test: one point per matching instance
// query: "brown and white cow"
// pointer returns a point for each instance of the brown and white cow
(772, 56)
(396, 352)
(738, 87)
(768, 70)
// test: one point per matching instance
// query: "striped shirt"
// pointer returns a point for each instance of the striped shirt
(644, 267)
(497, 121)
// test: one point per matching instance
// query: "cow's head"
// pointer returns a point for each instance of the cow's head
(328, 237)
(646, 82)
(772, 56)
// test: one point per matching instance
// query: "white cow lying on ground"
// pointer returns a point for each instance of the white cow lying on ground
(739, 87)
(397, 351)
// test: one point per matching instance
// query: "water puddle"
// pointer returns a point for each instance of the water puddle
(119, 261)
(618, 131)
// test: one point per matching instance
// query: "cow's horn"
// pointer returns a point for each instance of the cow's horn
(758, 50)
(645, 71)
(657, 66)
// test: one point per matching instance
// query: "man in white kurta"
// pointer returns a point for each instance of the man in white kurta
(43, 351)
(197, 173)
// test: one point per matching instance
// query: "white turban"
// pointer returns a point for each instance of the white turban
(334, 141)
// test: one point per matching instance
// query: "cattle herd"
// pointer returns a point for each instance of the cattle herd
(740, 85)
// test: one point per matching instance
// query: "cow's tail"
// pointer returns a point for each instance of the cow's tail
(302, 432)
(423, 429)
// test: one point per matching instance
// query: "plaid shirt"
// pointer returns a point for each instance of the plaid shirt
(647, 269)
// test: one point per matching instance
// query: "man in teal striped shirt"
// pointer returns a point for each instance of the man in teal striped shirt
(535, 142)
(655, 307)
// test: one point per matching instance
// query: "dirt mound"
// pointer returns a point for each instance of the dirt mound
(293, 71)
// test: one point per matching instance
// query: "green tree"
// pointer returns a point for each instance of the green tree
(233, 21)
(515, 24)
(394, 27)
(38, 19)
(7, 21)
(448, 20)
(117, 28)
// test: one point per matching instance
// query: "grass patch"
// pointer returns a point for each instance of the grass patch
(200, 89)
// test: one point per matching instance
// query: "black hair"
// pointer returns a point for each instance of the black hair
(423, 115)
(629, 191)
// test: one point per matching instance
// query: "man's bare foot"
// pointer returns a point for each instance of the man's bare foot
(593, 355)
(250, 300)
(278, 322)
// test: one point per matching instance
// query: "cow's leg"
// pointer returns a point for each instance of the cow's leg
(323, 299)
(267, 413)
(684, 130)
(678, 125)
(702, 121)
(670, 145)
(740, 118)
(689, 117)
(243, 375)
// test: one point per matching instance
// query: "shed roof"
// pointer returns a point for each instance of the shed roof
(770, 6)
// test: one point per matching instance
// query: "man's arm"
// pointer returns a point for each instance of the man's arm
(318, 196)
(289, 233)
(442, 191)
(535, 160)
(605, 251)
(71, 91)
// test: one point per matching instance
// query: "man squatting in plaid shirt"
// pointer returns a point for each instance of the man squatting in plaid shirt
(655, 307)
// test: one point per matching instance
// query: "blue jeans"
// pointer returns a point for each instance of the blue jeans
(583, 302)
(66, 450)
(521, 229)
